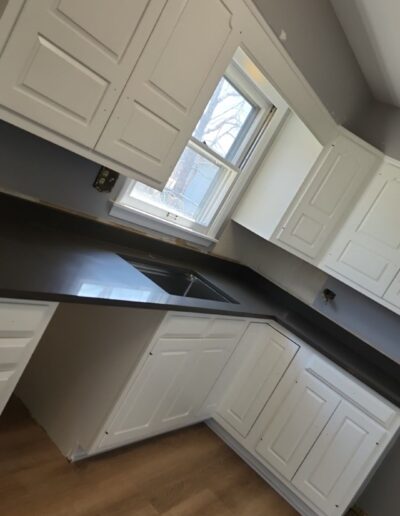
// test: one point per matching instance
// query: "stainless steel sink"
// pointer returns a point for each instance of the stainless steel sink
(180, 282)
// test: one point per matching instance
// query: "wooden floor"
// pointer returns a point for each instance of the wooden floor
(187, 473)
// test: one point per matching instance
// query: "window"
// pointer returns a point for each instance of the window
(239, 118)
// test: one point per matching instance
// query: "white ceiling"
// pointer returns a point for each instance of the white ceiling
(373, 30)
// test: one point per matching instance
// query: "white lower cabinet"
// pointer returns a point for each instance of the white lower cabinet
(295, 426)
(263, 354)
(170, 386)
(340, 458)
(317, 437)
(22, 324)
(313, 431)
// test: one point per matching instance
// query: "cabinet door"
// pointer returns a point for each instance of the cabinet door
(367, 250)
(334, 182)
(340, 459)
(263, 356)
(152, 391)
(67, 61)
(187, 53)
(295, 426)
(170, 389)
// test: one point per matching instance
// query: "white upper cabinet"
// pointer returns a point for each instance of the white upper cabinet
(334, 183)
(66, 62)
(279, 178)
(189, 49)
(366, 252)
(258, 364)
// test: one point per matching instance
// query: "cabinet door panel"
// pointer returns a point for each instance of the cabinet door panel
(340, 459)
(186, 55)
(265, 354)
(65, 63)
(297, 423)
(154, 387)
(367, 251)
(210, 357)
(182, 325)
(335, 180)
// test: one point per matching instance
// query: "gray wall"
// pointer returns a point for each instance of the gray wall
(284, 269)
(380, 126)
(3, 4)
(382, 496)
(36, 168)
(317, 44)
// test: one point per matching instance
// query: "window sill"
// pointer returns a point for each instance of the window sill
(158, 225)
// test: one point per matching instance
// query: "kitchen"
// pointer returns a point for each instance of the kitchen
(287, 333)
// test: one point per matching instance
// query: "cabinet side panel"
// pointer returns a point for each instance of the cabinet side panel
(81, 365)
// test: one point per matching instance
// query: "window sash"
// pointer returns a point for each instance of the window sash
(250, 146)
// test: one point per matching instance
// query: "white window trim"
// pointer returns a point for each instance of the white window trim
(170, 228)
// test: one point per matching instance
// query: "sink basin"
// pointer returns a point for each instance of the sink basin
(180, 282)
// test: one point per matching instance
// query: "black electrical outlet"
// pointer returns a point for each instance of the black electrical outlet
(105, 180)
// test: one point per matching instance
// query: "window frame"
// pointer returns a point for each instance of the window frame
(244, 76)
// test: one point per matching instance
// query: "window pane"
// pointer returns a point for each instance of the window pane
(188, 191)
(223, 118)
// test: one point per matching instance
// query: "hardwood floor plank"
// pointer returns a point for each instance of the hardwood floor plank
(190, 472)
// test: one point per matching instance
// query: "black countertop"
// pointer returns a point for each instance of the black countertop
(49, 255)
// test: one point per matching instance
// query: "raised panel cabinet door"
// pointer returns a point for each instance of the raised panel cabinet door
(152, 392)
(67, 61)
(263, 355)
(185, 405)
(187, 53)
(295, 426)
(334, 182)
(340, 460)
(367, 250)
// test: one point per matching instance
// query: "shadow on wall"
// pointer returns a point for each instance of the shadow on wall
(292, 274)
(382, 495)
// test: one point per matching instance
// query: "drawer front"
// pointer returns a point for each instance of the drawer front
(226, 328)
(21, 317)
(12, 349)
(190, 326)
(383, 412)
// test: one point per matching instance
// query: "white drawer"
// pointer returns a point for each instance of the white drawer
(370, 402)
(12, 349)
(21, 317)
(225, 328)
(185, 326)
